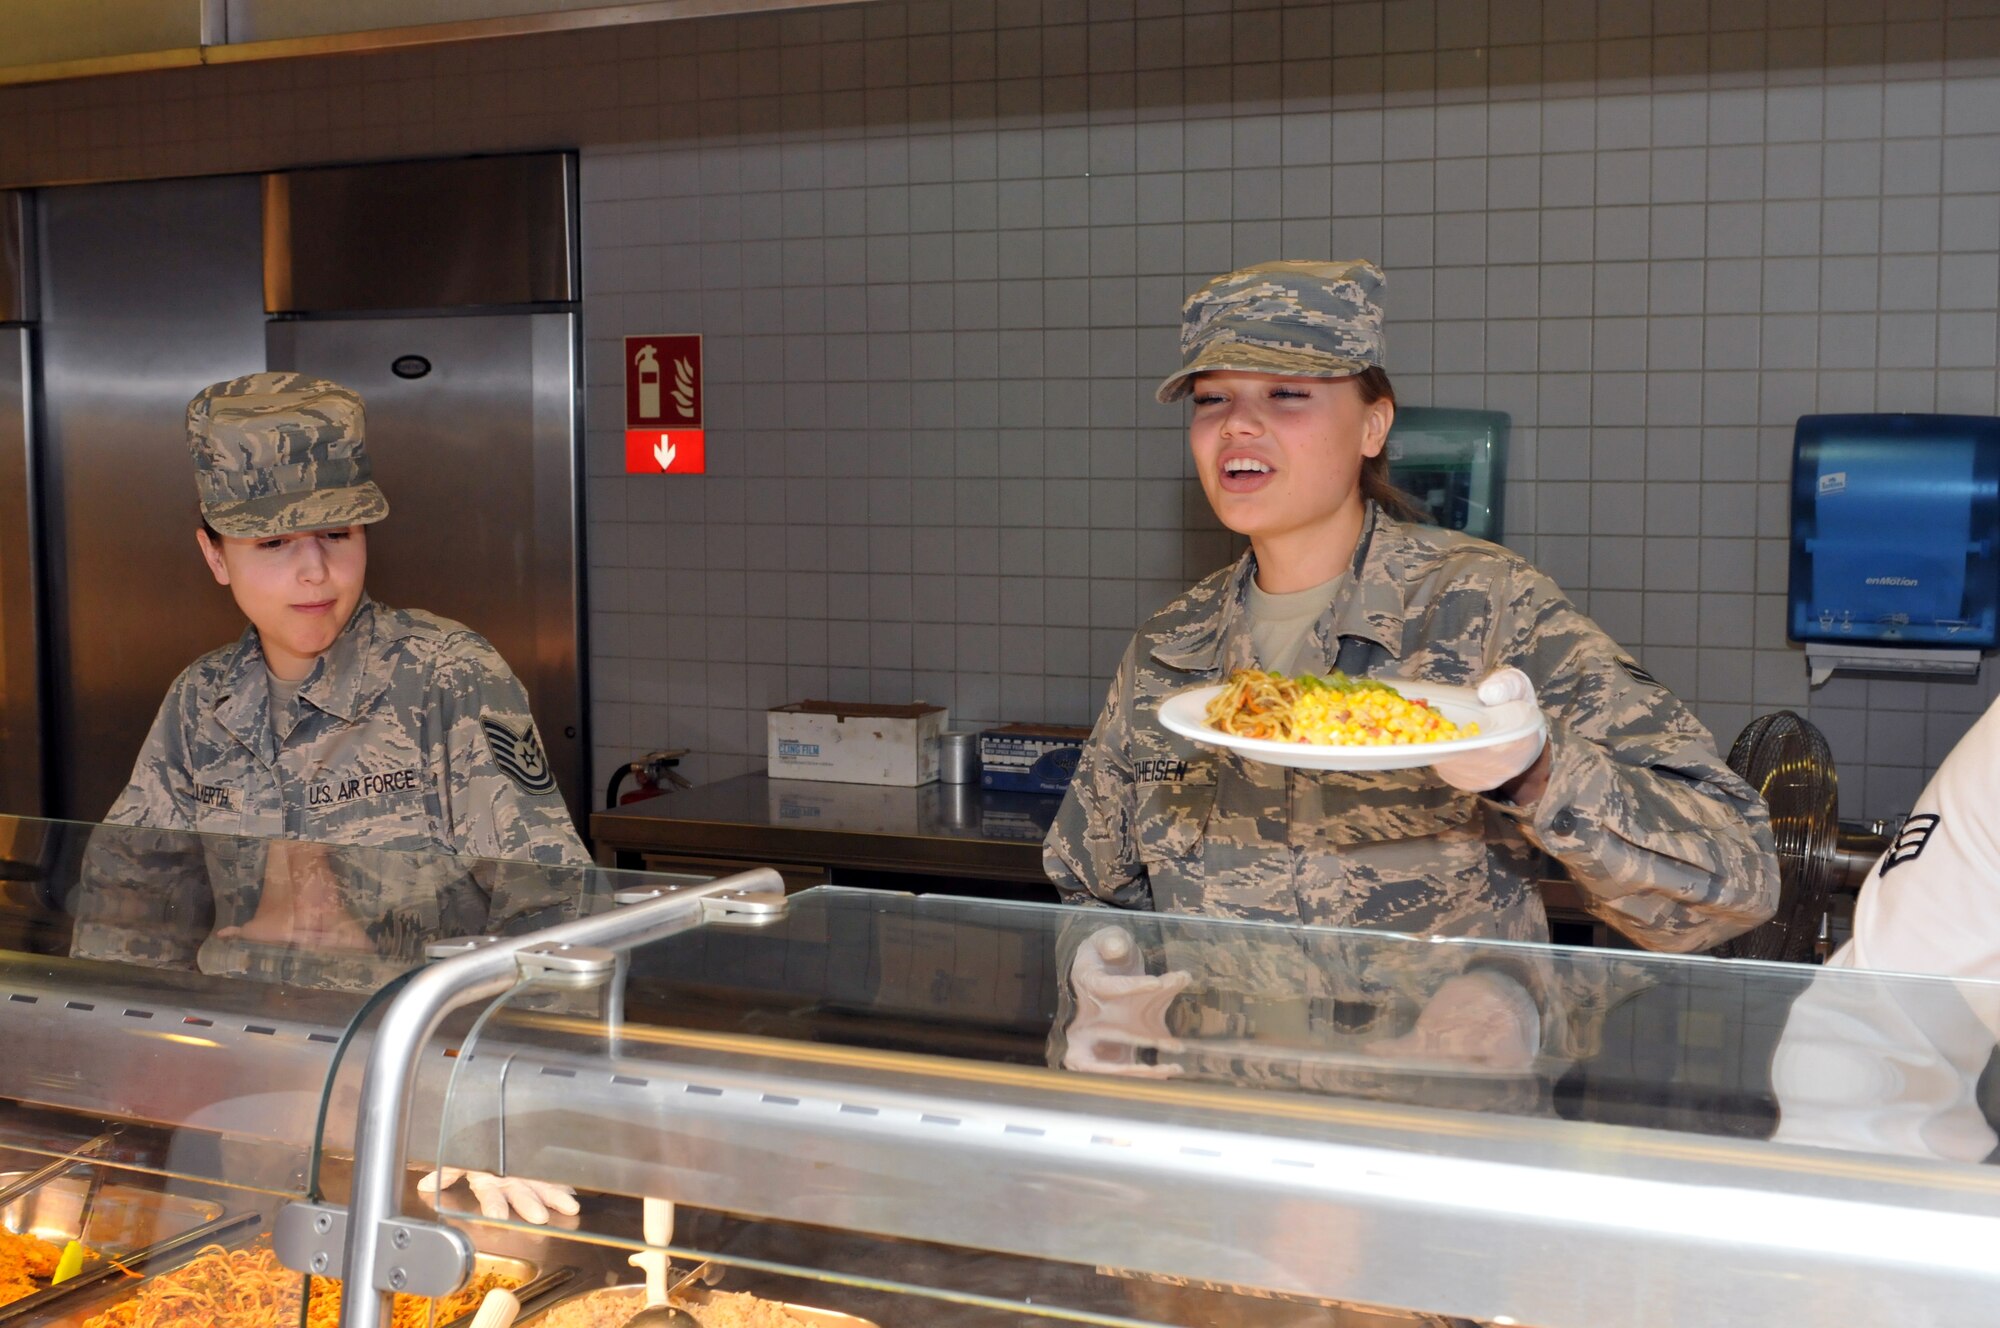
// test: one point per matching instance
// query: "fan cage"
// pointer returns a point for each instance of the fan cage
(1788, 762)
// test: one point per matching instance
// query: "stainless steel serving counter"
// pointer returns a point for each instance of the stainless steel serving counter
(896, 1106)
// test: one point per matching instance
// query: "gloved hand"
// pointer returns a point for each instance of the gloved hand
(1512, 697)
(1482, 1019)
(1120, 1008)
(498, 1195)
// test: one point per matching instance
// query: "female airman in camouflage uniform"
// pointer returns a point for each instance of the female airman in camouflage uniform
(1622, 789)
(333, 721)
(385, 727)
(1627, 794)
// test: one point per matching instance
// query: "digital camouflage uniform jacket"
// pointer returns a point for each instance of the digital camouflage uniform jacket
(410, 734)
(1667, 844)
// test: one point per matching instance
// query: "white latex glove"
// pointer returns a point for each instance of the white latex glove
(1512, 698)
(501, 1196)
(1481, 1019)
(1120, 1008)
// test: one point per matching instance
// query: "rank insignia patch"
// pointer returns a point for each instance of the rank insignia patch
(519, 753)
(1638, 674)
(1910, 841)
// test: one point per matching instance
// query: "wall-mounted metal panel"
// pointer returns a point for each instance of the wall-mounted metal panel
(475, 232)
(20, 652)
(290, 20)
(36, 32)
(21, 750)
(43, 41)
(18, 303)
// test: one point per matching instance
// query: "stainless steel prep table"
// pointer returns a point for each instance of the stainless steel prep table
(935, 838)
(956, 838)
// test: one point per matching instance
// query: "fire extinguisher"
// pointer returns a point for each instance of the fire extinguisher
(652, 775)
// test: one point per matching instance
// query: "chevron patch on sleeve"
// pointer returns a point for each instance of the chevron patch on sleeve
(1911, 841)
(518, 752)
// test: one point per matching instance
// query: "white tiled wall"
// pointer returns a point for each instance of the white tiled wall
(937, 250)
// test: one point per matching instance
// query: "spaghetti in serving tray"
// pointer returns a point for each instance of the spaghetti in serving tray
(124, 1219)
(243, 1285)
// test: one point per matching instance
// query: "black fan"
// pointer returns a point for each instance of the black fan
(1787, 760)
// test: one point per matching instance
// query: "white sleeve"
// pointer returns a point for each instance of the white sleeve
(1882, 1063)
(1890, 1064)
(1932, 904)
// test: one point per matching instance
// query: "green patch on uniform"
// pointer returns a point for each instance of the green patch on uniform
(518, 752)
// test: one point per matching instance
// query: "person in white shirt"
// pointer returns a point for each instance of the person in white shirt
(1879, 1062)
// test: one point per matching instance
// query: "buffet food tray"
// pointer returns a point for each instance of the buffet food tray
(124, 1218)
(68, 1313)
(816, 1318)
(125, 1221)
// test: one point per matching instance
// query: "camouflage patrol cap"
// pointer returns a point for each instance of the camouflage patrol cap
(276, 453)
(1314, 320)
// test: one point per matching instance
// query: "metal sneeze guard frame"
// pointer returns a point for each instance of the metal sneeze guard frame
(377, 1247)
(1497, 1217)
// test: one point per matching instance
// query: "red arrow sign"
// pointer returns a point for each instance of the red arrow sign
(665, 452)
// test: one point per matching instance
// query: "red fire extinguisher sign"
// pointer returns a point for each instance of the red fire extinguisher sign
(663, 425)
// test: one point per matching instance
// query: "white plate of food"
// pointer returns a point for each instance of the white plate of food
(1313, 723)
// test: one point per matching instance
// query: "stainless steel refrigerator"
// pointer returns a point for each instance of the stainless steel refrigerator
(20, 640)
(443, 292)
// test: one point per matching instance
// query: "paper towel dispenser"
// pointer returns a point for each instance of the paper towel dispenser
(1452, 462)
(1894, 520)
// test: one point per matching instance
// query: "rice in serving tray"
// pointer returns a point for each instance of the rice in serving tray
(722, 1309)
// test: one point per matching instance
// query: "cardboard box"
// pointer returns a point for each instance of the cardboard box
(855, 743)
(1030, 758)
